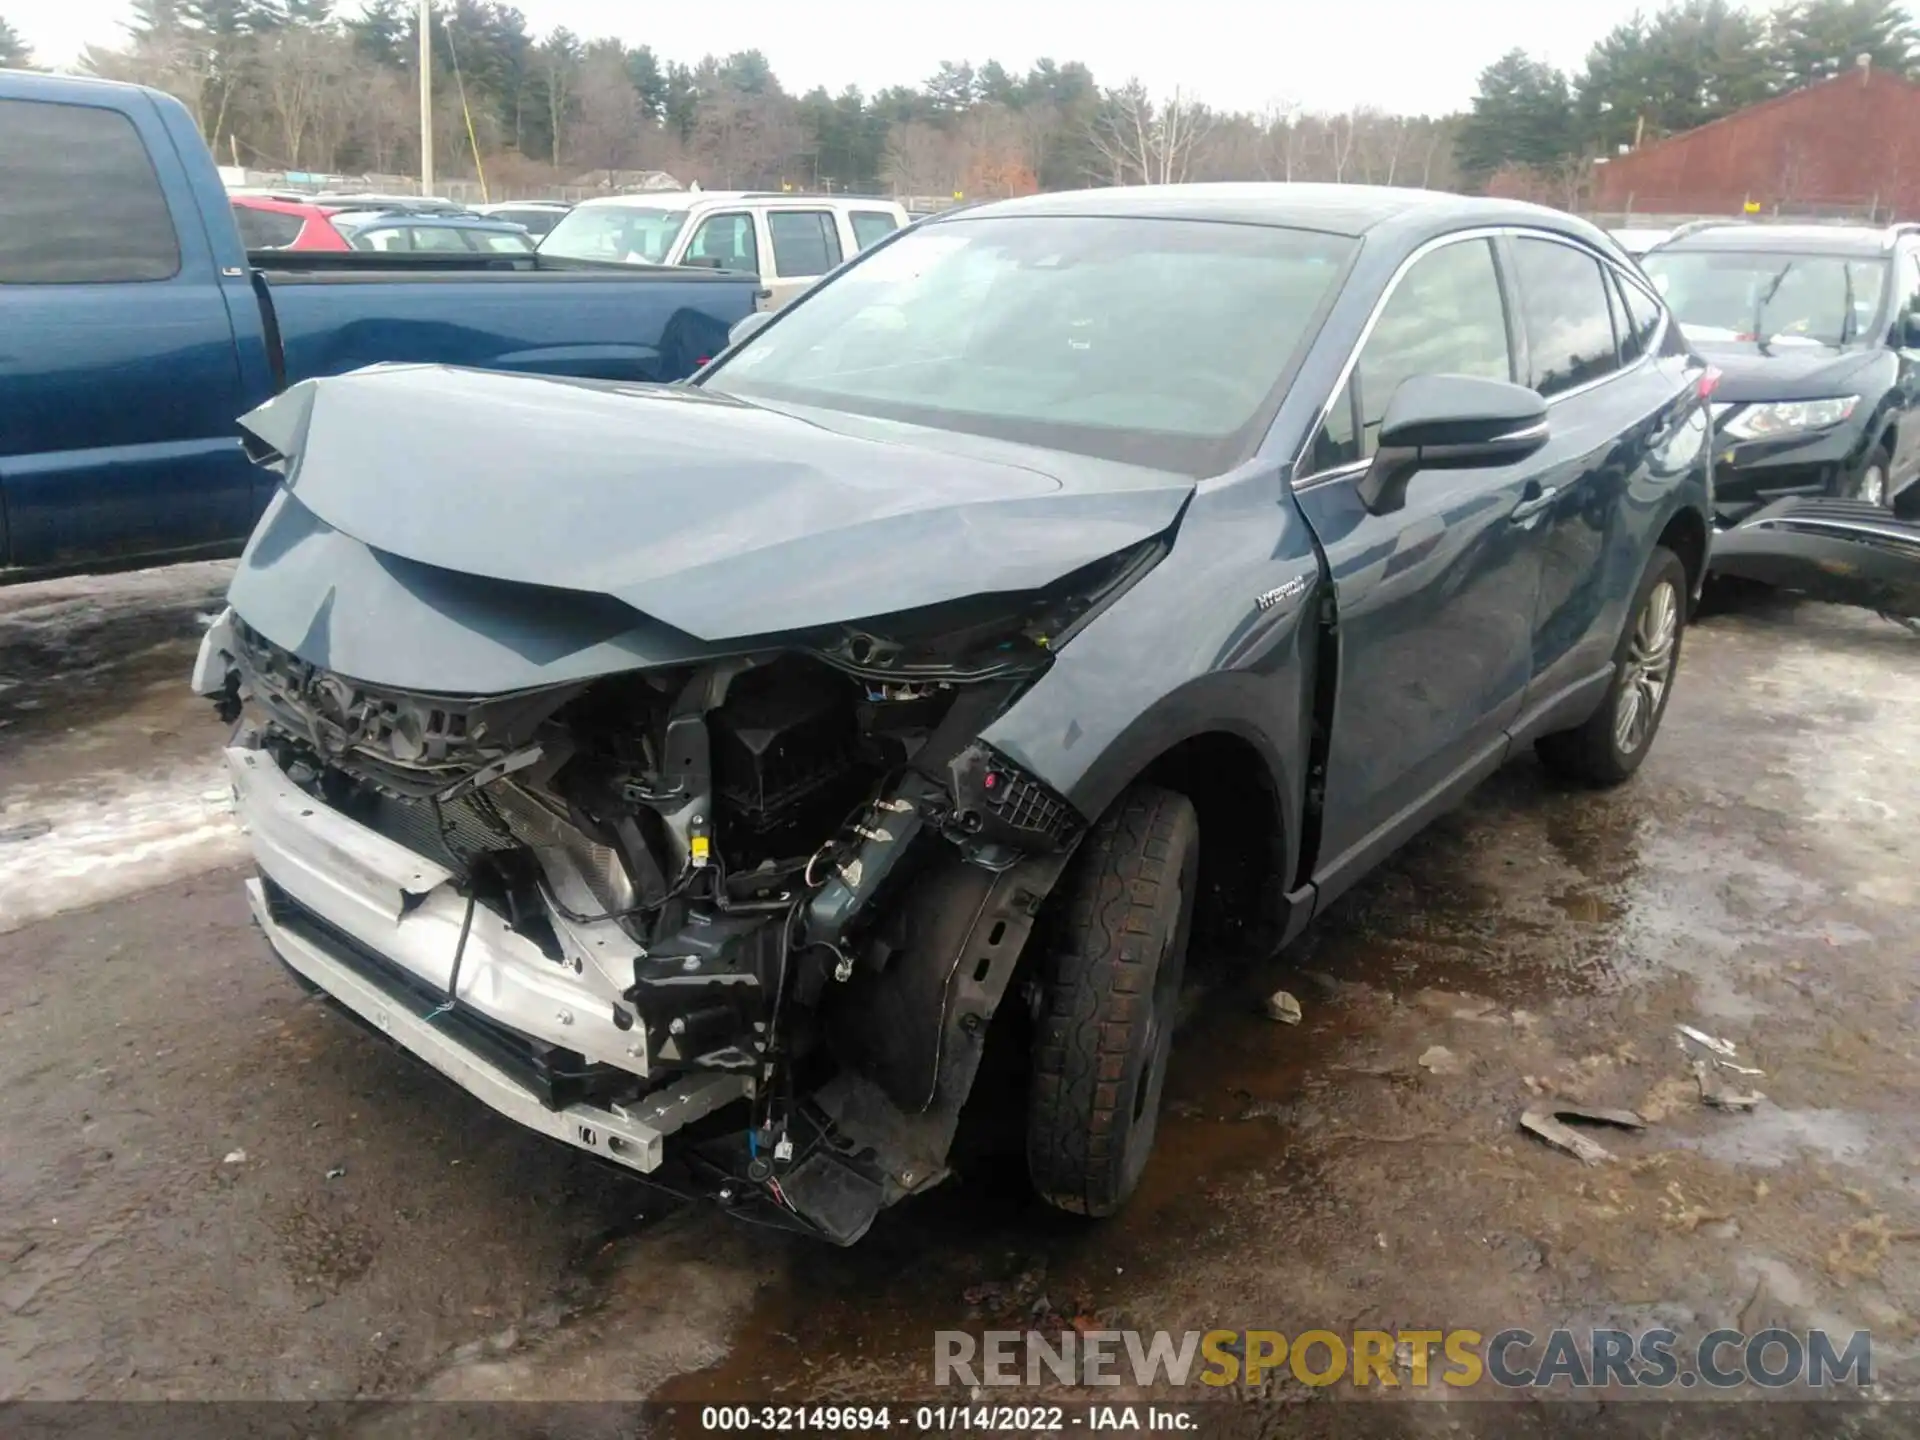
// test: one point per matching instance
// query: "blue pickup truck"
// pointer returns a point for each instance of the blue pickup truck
(134, 328)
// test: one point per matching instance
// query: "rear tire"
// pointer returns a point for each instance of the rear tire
(1112, 988)
(1616, 737)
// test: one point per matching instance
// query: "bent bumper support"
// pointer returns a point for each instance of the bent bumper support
(1841, 551)
(635, 1138)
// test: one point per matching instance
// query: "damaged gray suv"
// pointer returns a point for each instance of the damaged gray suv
(695, 772)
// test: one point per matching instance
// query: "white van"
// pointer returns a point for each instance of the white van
(788, 240)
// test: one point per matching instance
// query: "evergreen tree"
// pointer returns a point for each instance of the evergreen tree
(1522, 115)
(14, 54)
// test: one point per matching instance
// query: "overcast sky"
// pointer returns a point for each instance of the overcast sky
(1415, 56)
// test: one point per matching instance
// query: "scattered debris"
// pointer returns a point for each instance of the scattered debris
(25, 830)
(1711, 1042)
(1283, 1007)
(17, 1248)
(1441, 1061)
(1714, 1092)
(234, 1157)
(1549, 1124)
(336, 1172)
(1738, 1069)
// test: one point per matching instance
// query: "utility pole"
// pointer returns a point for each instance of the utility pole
(426, 99)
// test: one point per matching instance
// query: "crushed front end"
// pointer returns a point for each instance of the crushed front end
(761, 906)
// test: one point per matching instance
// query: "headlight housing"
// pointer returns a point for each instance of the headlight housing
(1762, 422)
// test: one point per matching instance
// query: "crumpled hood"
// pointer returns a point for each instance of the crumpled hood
(1791, 372)
(708, 515)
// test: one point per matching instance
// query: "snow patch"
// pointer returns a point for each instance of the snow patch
(133, 833)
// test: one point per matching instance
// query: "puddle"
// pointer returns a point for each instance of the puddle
(1770, 1137)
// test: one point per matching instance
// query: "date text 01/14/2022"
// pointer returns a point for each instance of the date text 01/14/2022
(938, 1419)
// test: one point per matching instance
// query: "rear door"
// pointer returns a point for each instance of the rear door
(1614, 409)
(119, 378)
(805, 244)
(1434, 602)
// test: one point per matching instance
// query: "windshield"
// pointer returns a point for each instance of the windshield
(1155, 341)
(1770, 298)
(614, 232)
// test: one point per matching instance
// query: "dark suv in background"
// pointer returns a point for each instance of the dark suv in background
(1816, 332)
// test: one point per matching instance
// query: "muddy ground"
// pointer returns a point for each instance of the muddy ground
(211, 1187)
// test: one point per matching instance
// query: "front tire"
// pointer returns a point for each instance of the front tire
(1874, 483)
(1616, 737)
(1112, 987)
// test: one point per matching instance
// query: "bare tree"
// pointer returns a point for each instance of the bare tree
(608, 114)
(1145, 144)
(301, 73)
(741, 137)
(382, 115)
(920, 160)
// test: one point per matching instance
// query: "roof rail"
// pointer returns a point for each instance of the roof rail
(1692, 227)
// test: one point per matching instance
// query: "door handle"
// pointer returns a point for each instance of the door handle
(1533, 505)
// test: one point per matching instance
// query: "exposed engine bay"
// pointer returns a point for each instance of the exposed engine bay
(800, 868)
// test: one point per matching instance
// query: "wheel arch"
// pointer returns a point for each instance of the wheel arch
(1685, 534)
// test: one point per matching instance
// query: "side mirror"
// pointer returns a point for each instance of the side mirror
(747, 326)
(1453, 422)
(1910, 330)
(703, 262)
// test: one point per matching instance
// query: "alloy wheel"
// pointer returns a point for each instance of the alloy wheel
(1648, 669)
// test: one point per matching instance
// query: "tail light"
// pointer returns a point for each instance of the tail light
(1709, 382)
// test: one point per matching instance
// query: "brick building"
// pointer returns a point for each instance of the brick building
(1845, 146)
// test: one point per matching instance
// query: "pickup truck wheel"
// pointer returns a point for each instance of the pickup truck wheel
(1616, 737)
(1111, 990)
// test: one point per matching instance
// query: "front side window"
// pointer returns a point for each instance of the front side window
(1564, 306)
(79, 201)
(1445, 317)
(500, 242)
(1161, 342)
(629, 235)
(1770, 298)
(805, 243)
(725, 240)
(870, 227)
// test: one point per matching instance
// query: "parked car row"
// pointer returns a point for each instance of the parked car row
(376, 222)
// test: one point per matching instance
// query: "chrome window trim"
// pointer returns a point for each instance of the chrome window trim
(1439, 242)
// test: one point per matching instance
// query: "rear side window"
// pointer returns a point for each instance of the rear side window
(1563, 303)
(499, 243)
(79, 201)
(1640, 322)
(438, 240)
(870, 227)
(266, 229)
(805, 242)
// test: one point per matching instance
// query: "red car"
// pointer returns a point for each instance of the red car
(269, 224)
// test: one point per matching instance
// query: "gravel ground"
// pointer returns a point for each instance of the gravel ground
(210, 1187)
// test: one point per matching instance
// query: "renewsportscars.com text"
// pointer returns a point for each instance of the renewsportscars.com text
(1511, 1359)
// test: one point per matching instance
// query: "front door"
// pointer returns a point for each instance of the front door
(1434, 602)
